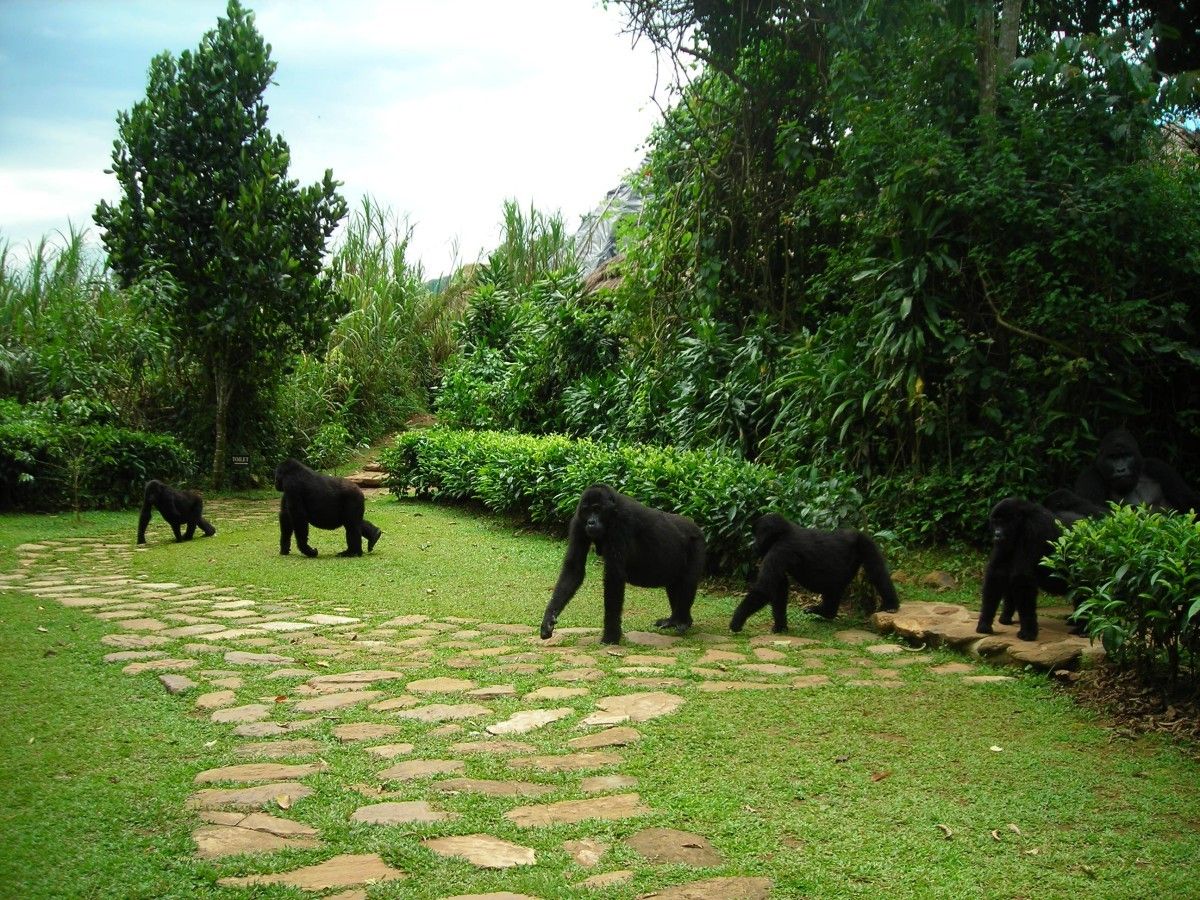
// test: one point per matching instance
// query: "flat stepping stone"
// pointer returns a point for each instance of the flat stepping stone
(649, 659)
(768, 669)
(142, 625)
(176, 684)
(134, 641)
(789, 640)
(669, 845)
(278, 749)
(405, 621)
(390, 751)
(291, 673)
(651, 639)
(855, 636)
(272, 729)
(443, 712)
(248, 797)
(335, 701)
(232, 833)
(599, 783)
(482, 850)
(573, 675)
(494, 895)
(449, 730)
(634, 708)
(586, 852)
(874, 682)
(251, 712)
(609, 737)
(159, 665)
(607, 879)
(132, 655)
(363, 731)
(986, 679)
(259, 772)
(721, 687)
(284, 626)
(528, 720)
(807, 681)
(567, 762)
(492, 691)
(518, 668)
(568, 812)
(346, 870)
(404, 701)
(506, 629)
(215, 699)
(554, 692)
(323, 619)
(439, 686)
(499, 747)
(494, 788)
(192, 630)
(717, 889)
(422, 768)
(402, 813)
(243, 658)
(952, 668)
(883, 649)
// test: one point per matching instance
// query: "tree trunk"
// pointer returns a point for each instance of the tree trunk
(1010, 27)
(224, 386)
(986, 61)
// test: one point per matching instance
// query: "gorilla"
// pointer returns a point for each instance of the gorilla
(1022, 532)
(640, 546)
(310, 498)
(177, 507)
(821, 561)
(1120, 473)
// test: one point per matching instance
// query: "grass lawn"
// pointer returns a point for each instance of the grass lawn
(836, 790)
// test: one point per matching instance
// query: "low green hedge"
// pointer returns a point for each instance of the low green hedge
(47, 464)
(1135, 579)
(541, 479)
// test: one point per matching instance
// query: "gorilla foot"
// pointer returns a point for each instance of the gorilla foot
(348, 552)
(372, 541)
(984, 629)
(310, 552)
(548, 623)
(735, 624)
(610, 638)
(1006, 620)
(895, 608)
(779, 629)
(1027, 635)
(672, 624)
(818, 611)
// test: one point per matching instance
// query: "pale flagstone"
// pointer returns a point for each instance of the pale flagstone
(586, 852)
(766, 654)
(200, 649)
(256, 643)
(351, 894)
(567, 762)
(404, 701)
(554, 692)
(216, 841)
(883, 649)
(483, 850)
(805, 681)
(518, 668)
(568, 812)
(493, 690)
(634, 708)
(176, 684)
(291, 673)
(340, 871)
(159, 665)
(280, 749)
(231, 683)
(571, 675)
(450, 730)
(259, 772)
(336, 687)
(402, 813)
(528, 720)
(442, 712)
(607, 879)
(573, 658)
(653, 682)
(494, 895)
(192, 630)
(651, 639)
(874, 682)
(335, 701)
(596, 784)
(229, 614)
(439, 685)
(609, 737)
(134, 641)
(109, 615)
(390, 751)
(131, 655)
(649, 659)
(789, 640)
(506, 629)
(982, 679)
(768, 669)
(285, 626)
(251, 712)
(856, 636)
(363, 731)
(248, 797)
(87, 602)
(272, 729)
(441, 626)
(419, 641)
(494, 788)
(242, 658)
(229, 634)
(215, 699)
(736, 888)
(187, 619)
(721, 687)
(464, 638)
(952, 668)
(705, 672)
(364, 676)
(638, 670)
(499, 747)
(422, 768)
(668, 845)
(233, 604)
(324, 619)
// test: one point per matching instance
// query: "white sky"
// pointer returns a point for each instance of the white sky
(439, 109)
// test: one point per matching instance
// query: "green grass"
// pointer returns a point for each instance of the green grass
(832, 792)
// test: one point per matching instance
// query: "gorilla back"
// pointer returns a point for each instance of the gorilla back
(310, 498)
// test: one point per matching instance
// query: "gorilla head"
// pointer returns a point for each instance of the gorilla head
(1119, 461)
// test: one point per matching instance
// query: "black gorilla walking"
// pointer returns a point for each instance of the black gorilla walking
(177, 507)
(310, 498)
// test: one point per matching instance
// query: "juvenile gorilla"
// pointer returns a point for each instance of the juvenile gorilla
(310, 498)
(1023, 532)
(177, 507)
(1120, 473)
(642, 546)
(821, 561)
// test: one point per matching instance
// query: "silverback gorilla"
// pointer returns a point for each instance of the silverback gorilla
(1121, 474)
(642, 546)
(177, 507)
(821, 561)
(310, 498)
(1023, 532)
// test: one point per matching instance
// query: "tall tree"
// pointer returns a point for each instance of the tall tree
(207, 201)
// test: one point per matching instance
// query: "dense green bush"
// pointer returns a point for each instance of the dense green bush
(541, 478)
(49, 460)
(1135, 579)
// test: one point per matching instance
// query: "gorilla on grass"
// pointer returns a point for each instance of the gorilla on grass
(821, 561)
(179, 508)
(640, 546)
(310, 498)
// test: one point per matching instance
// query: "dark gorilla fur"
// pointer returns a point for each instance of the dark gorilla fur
(177, 507)
(821, 561)
(1121, 474)
(1022, 532)
(310, 498)
(640, 546)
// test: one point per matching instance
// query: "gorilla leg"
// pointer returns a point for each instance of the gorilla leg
(372, 533)
(191, 530)
(285, 529)
(681, 596)
(353, 539)
(614, 602)
(769, 588)
(300, 526)
(830, 600)
(1024, 598)
(206, 527)
(177, 527)
(1008, 610)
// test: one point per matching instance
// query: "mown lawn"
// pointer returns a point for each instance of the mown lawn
(836, 791)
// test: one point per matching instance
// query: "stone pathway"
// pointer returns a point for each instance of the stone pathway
(285, 678)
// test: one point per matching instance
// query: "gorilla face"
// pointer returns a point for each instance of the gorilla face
(1119, 461)
(596, 507)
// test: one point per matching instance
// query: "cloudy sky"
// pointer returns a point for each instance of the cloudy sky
(439, 109)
